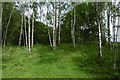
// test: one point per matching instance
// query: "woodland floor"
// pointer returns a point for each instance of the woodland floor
(64, 62)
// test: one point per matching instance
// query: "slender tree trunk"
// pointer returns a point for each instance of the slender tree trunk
(23, 34)
(29, 45)
(74, 26)
(108, 25)
(59, 25)
(49, 37)
(54, 45)
(73, 16)
(5, 34)
(114, 44)
(50, 40)
(1, 25)
(21, 30)
(114, 36)
(54, 29)
(55, 25)
(99, 30)
(100, 41)
(108, 30)
(118, 26)
(32, 27)
(25, 30)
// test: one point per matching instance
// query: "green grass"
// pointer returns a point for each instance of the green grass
(64, 62)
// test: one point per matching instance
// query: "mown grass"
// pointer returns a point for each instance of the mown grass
(64, 62)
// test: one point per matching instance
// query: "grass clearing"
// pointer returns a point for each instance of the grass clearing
(64, 62)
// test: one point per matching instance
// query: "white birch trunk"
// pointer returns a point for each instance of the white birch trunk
(29, 45)
(54, 45)
(99, 32)
(50, 41)
(73, 18)
(55, 26)
(49, 37)
(26, 40)
(114, 44)
(114, 36)
(54, 29)
(74, 26)
(32, 42)
(21, 30)
(100, 40)
(59, 23)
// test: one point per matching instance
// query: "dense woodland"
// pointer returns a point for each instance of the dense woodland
(60, 39)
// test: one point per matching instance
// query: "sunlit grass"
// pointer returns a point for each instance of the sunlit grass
(64, 62)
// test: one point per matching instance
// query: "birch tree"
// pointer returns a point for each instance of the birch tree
(50, 41)
(73, 19)
(98, 10)
(54, 27)
(74, 26)
(32, 26)
(29, 28)
(108, 23)
(21, 30)
(5, 34)
(25, 30)
(59, 23)
(114, 20)
(49, 35)
(114, 34)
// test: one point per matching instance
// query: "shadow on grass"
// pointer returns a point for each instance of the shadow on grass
(46, 55)
(88, 61)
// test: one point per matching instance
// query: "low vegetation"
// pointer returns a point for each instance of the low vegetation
(64, 62)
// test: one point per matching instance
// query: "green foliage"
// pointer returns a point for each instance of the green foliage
(85, 29)
(14, 25)
(41, 33)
